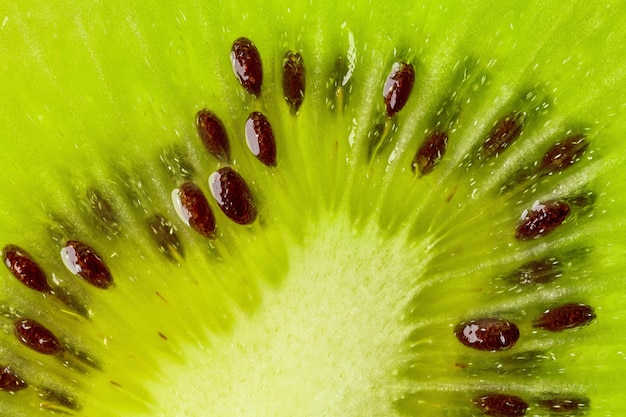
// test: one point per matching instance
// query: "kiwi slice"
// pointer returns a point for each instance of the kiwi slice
(274, 209)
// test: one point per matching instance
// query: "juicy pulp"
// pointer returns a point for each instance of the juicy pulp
(345, 292)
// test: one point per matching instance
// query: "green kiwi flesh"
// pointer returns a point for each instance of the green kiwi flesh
(369, 253)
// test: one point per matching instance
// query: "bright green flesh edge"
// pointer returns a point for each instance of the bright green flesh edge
(341, 299)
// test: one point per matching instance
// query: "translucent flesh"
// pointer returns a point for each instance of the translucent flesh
(342, 297)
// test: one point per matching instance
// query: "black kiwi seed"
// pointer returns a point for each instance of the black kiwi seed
(213, 134)
(260, 138)
(233, 195)
(563, 154)
(542, 219)
(25, 269)
(501, 405)
(247, 67)
(487, 334)
(566, 316)
(565, 405)
(294, 81)
(83, 260)
(10, 380)
(431, 151)
(537, 272)
(196, 210)
(35, 336)
(165, 237)
(502, 135)
(398, 87)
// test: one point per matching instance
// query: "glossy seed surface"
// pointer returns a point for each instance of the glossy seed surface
(542, 219)
(82, 260)
(37, 337)
(431, 151)
(25, 269)
(213, 134)
(260, 138)
(537, 272)
(567, 316)
(233, 195)
(10, 380)
(501, 405)
(487, 334)
(165, 236)
(246, 62)
(563, 154)
(195, 210)
(503, 134)
(294, 80)
(398, 87)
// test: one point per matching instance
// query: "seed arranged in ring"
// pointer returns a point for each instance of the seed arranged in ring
(487, 334)
(294, 80)
(10, 381)
(24, 268)
(503, 134)
(260, 138)
(501, 405)
(542, 219)
(537, 272)
(193, 208)
(431, 151)
(567, 316)
(35, 336)
(82, 260)
(398, 87)
(246, 62)
(563, 154)
(213, 134)
(232, 194)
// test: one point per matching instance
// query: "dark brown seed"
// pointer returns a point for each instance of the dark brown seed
(398, 86)
(195, 210)
(501, 405)
(37, 337)
(260, 138)
(563, 154)
(537, 272)
(233, 195)
(247, 66)
(11, 381)
(82, 260)
(542, 219)
(488, 334)
(502, 135)
(565, 405)
(431, 151)
(294, 80)
(24, 268)
(213, 134)
(101, 207)
(165, 237)
(567, 316)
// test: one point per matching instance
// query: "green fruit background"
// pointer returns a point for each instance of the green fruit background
(341, 299)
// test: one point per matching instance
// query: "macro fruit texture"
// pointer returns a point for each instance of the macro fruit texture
(274, 209)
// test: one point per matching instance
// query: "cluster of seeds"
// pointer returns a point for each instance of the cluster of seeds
(495, 334)
(235, 199)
